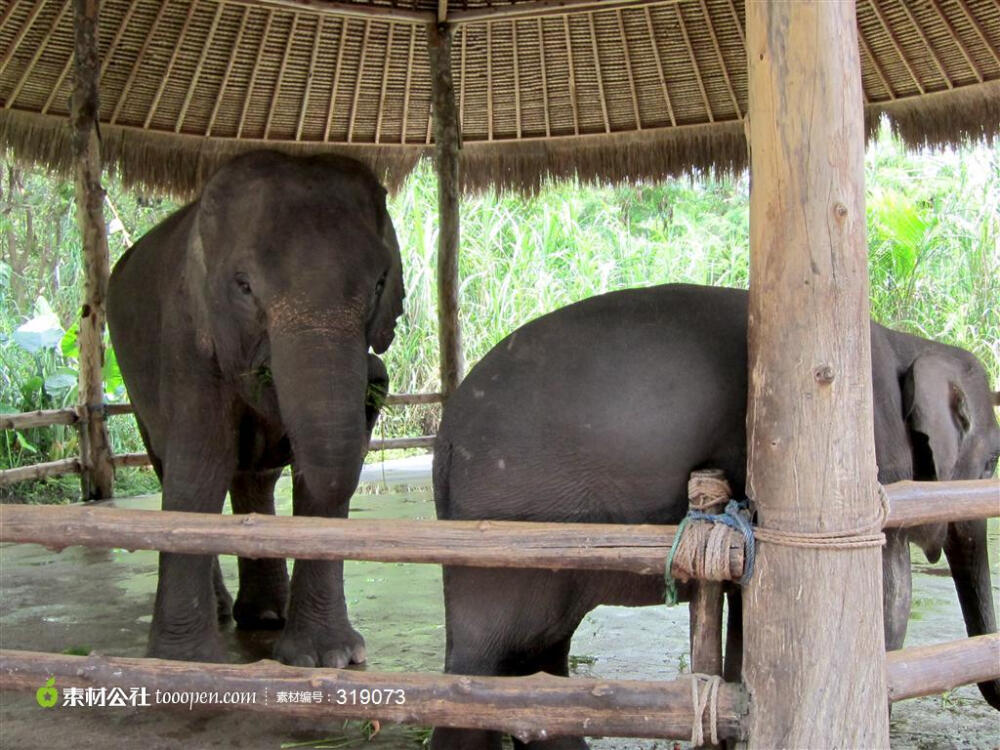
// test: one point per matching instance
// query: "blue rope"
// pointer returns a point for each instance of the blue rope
(736, 516)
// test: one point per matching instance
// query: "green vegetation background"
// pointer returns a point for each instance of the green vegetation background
(934, 260)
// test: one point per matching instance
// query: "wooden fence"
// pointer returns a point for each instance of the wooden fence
(76, 416)
(528, 707)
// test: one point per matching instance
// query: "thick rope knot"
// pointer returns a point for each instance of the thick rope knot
(707, 492)
(705, 695)
(701, 548)
(859, 537)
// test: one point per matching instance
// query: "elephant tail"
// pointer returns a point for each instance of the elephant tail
(441, 474)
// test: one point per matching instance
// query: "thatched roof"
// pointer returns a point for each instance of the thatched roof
(614, 90)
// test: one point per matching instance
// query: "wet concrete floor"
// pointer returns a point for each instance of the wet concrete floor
(83, 600)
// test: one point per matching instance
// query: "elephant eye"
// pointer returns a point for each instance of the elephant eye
(243, 284)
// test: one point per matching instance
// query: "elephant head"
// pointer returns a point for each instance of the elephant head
(951, 432)
(294, 272)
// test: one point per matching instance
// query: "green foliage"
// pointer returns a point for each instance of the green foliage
(933, 233)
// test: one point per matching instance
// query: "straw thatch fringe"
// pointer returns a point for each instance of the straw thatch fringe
(175, 164)
(615, 157)
(179, 164)
(947, 118)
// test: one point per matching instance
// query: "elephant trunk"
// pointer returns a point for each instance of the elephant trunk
(321, 381)
(966, 550)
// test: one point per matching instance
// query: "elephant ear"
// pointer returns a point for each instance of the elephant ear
(937, 414)
(382, 325)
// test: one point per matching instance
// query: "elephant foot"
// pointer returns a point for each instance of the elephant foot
(223, 600)
(328, 646)
(205, 648)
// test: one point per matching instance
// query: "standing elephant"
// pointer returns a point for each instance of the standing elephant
(599, 411)
(242, 325)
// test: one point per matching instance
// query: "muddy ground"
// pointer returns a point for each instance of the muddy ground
(82, 600)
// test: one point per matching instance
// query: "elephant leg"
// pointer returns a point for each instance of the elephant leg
(196, 470)
(896, 587)
(502, 622)
(318, 632)
(263, 595)
(733, 667)
(968, 557)
(223, 601)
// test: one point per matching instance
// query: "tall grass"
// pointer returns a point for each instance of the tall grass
(933, 233)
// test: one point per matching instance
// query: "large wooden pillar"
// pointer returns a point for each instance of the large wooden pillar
(814, 652)
(95, 451)
(447, 142)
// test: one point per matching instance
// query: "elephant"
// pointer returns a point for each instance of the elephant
(242, 325)
(599, 411)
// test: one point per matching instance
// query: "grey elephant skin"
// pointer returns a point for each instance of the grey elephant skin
(242, 326)
(599, 411)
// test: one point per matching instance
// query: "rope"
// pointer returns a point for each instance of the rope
(705, 697)
(705, 549)
(869, 535)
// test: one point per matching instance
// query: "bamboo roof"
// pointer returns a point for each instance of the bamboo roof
(612, 89)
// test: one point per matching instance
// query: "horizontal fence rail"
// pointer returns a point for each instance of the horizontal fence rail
(631, 548)
(624, 547)
(72, 416)
(518, 705)
(931, 670)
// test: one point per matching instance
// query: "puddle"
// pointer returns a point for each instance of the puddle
(102, 599)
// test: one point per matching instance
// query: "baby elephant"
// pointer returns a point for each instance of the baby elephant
(599, 411)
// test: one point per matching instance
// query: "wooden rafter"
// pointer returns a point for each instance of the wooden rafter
(721, 59)
(599, 73)
(21, 32)
(197, 71)
(39, 50)
(310, 75)
(406, 89)
(659, 67)
(229, 70)
(631, 73)
(357, 82)
(170, 65)
(341, 43)
(138, 61)
(385, 82)
(253, 74)
(936, 4)
(896, 45)
(572, 77)
(694, 63)
(282, 68)
(545, 77)
(927, 43)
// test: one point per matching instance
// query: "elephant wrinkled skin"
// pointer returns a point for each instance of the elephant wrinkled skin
(599, 411)
(242, 325)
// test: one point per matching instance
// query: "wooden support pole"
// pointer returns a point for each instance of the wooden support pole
(814, 661)
(97, 473)
(447, 142)
(536, 707)
(931, 670)
(511, 544)
(708, 492)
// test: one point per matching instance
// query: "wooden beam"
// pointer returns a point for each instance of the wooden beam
(8, 54)
(140, 56)
(95, 456)
(178, 43)
(918, 503)
(544, 8)
(530, 708)
(39, 471)
(220, 95)
(208, 44)
(447, 142)
(347, 10)
(641, 549)
(814, 657)
(40, 418)
(273, 106)
(931, 670)
(39, 50)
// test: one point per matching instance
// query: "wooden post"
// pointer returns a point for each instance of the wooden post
(447, 142)
(708, 492)
(815, 655)
(95, 456)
